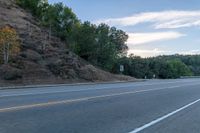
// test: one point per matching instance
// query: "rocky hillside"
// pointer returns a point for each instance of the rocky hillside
(34, 64)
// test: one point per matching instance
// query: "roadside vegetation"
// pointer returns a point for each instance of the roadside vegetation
(105, 46)
(163, 67)
(9, 44)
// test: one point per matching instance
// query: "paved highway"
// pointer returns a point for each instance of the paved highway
(154, 106)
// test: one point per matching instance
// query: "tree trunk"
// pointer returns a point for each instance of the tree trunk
(50, 28)
(4, 53)
(29, 29)
(6, 48)
(45, 43)
(8, 53)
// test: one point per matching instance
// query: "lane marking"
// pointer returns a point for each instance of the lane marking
(163, 117)
(40, 105)
(66, 91)
(80, 99)
(91, 84)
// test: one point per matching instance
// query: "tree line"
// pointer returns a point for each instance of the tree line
(164, 67)
(105, 46)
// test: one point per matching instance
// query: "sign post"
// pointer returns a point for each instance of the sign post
(121, 68)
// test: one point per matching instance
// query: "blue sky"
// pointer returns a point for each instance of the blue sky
(155, 27)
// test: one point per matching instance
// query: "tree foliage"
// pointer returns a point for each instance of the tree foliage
(9, 43)
(35, 6)
(100, 44)
(162, 66)
(61, 21)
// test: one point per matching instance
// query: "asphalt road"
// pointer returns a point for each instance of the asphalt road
(154, 106)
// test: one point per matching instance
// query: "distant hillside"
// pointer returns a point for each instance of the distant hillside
(55, 64)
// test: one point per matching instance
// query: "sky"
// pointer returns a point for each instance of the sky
(155, 27)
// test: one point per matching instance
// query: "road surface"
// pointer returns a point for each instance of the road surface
(154, 106)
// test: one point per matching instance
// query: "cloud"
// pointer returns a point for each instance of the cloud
(156, 52)
(190, 52)
(150, 37)
(163, 19)
(142, 38)
(148, 52)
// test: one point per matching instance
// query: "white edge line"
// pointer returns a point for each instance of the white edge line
(163, 117)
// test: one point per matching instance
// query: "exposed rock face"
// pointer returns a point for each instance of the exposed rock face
(43, 59)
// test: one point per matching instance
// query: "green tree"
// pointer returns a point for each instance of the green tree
(119, 39)
(35, 6)
(86, 42)
(62, 22)
(178, 68)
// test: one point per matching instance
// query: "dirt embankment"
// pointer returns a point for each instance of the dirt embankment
(34, 64)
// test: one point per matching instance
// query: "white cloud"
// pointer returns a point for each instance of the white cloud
(163, 19)
(142, 38)
(190, 52)
(148, 52)
(156, 52)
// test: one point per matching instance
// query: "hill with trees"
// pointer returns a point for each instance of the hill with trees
(100, 44)
(42, 45)
(47, 43)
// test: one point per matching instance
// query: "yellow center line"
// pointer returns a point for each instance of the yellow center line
(80, 99)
